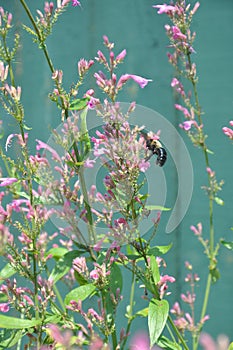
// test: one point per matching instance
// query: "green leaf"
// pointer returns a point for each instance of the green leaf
(63, 265)
(219, 201)
(17, 323)
(57, 253)
(79, 104)
(157, 207)
(228, 245)
(26, 127)
(165, 343)
(159, 250)
(114, 283)
(9, 338)
(157, 318)
(80, 293)
(143, 312)
(6, 272)
(230, 347)
(154, 269)
(115, 278)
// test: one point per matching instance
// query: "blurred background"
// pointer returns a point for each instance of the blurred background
(136, 26)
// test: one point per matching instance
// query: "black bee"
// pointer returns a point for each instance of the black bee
(156, 148)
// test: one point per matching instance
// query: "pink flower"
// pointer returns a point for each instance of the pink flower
(183, 109)
(197, 231)
(121, 56)
(165, 9)
(167, 278)
(177, 34)
(83, 66)
(76, 3)
(94, 275)
(140, 342)
(227, 131)
(187, 125)
(7, 181)
(142, 82)
(196, 6)
(174, 82)
(4, 307)
(41, 145)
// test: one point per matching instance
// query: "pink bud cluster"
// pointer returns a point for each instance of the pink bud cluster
(228, 131)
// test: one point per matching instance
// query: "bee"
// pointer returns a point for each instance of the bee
(156, 148)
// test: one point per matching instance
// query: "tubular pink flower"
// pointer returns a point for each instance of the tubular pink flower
(43, 145)
(7, 181)
(167, 278)
(174, 82)
(3, 71)
(183, 109)
(142, 82)
(121, 56)
(168, 9)
(94, 274)
(196, 6)
(177, 34)
(187, 125)
(76, 3)
(228, 132)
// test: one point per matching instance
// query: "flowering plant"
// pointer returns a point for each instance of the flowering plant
(50, 276)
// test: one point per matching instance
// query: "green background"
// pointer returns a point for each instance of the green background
(136, 26)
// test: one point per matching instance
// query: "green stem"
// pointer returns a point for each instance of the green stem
(42, 43)
(90, 225)
(130, 311)
(211, 223)
(179, 336)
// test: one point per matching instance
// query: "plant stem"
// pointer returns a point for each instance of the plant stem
(130, 311)
(42, 43)
(179, 336)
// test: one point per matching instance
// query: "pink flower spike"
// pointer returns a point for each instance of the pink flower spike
(76, 3)
(7, 181)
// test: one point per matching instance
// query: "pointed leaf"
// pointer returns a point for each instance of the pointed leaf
(143, 312)
(6, 272)
(79, 104)
(80, 293)
(157, 318)
(154, 269)
(159, 250)
(115, 278)
(157, 207)
(63, 265)
(228, 245)
(17, 323)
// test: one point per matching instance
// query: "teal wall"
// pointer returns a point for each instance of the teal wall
(134, 25)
